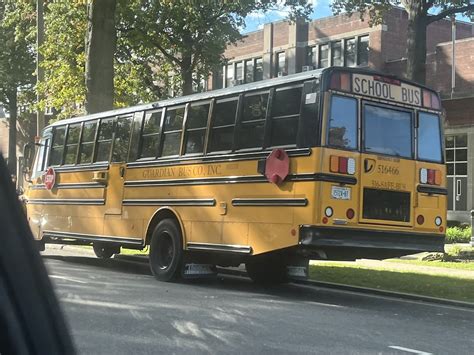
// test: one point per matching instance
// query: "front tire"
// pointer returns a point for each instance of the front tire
(104, 251)
(166, 251)
(267, 269)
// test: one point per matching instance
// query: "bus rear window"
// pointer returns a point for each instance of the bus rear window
(387, 131)
(343, 123)
(429, 137)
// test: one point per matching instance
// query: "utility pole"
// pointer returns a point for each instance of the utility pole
(39, 71)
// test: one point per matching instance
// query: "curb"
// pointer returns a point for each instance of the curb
(365, 290)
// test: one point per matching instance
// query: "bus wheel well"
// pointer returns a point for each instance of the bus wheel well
(157, 218)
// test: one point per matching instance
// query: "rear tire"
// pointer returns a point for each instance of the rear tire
(166, 251)
(267, 269)
(104, 251)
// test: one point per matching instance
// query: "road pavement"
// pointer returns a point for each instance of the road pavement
(116, 307)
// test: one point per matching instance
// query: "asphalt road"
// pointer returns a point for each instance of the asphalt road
(117, 307)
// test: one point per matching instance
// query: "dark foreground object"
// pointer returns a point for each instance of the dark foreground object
(30, 318)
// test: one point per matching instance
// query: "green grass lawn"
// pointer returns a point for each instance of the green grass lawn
(437, 263)
(124, 251)
(454, 288)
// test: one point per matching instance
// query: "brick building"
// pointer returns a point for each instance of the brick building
(281, 48)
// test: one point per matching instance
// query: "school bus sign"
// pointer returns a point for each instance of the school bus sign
(386, 88)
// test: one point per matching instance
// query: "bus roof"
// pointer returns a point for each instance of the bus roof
(258, 85)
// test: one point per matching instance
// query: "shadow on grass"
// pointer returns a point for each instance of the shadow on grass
(407, 282)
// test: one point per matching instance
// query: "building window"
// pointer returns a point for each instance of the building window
(280, 68)
(229, 75)
(336, 53)
(312, 57)
(350, 52)
(363, 50)
(258, 69)
(249, 74)
(218, 79)
(323, 56)
(239, 72)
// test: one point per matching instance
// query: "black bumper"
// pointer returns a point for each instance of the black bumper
(400, 243)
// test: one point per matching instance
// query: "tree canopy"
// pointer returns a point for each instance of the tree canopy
(17, 63)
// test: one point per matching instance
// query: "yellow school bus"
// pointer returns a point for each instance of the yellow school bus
(333, 164)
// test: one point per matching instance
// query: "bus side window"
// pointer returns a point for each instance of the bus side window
(104, 140)
(72, 143)
(253, 121)
(285, 116)
(122, 139)
(223, 125)
(41, 157)
(196, 124)
(87, 142)
(57, 150)
(150, 136)
(173, 126)
(135, 135)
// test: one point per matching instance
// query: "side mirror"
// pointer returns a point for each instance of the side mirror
(28, 152)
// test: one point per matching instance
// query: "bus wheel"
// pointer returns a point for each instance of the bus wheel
(267, 269)
(104, 251)
(166, 251)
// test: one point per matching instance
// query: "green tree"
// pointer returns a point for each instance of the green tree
(17, 63)
(190, 36)
(421, 13)
(63, 62)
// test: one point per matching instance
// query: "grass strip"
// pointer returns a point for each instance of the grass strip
(436, 263)
(447, 287)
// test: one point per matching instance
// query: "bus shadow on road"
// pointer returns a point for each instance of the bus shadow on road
(109, 264)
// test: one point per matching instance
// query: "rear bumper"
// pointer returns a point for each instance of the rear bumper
(366, 239)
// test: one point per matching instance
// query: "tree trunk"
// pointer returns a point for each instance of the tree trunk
(13, 110)
(101, 41)
(416, 42)
(187, 74)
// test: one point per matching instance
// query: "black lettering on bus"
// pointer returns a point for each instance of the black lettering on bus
(371, 91)
(404, 95)
(386, 91)
(364, 86)
(417, 98)
(378, 89)
(357, 85)
(390, 93)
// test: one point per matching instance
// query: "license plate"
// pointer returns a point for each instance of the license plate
(340, 193)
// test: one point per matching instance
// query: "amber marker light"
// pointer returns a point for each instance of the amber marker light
(341, 81)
